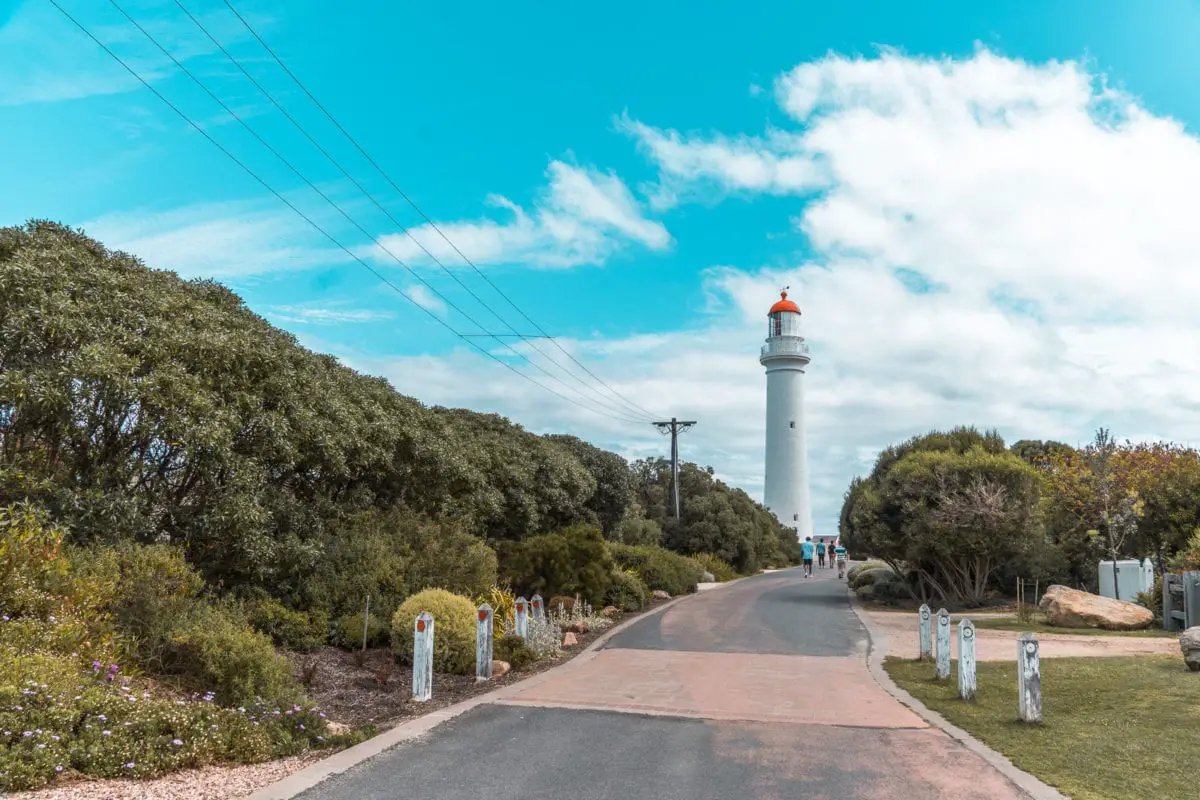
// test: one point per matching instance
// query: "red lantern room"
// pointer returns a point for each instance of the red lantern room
(784, 317)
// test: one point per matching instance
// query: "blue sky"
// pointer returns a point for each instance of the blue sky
(641, 179)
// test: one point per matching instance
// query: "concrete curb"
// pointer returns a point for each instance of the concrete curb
(326, 768)
(1036, 789)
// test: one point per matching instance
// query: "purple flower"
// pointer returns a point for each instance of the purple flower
(301, 726)
(176, 742)
(58, 768)
(27, 733)
(106, 733)
(129, 765)
(41, 747)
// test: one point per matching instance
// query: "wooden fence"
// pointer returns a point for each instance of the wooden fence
(1181, 601)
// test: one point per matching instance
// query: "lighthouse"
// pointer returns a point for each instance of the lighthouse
(785, 357)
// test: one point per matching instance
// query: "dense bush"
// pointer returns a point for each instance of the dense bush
(294, 630)
(627, 591)
(453, 630)
(513, 650)
(658, 567)
(349, 631)
(563, 601)
(713, 565)
(217, 649)
(504, 604)
(575, 561)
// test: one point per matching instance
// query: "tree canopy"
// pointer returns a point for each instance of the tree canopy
(138, 406)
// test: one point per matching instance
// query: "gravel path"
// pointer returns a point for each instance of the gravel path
(997, 645)
(209, 783)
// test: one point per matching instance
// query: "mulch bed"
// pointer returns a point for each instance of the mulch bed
(379, 692)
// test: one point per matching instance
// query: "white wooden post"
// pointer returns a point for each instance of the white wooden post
(423, 657)
(1029, 678)
(521, 617)
(943, 644)
(483, 643)
(966, 659)
(925, 616)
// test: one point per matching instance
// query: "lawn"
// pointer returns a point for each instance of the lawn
(1037, 624)
(1115, 728)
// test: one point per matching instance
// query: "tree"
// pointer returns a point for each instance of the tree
(949, 509)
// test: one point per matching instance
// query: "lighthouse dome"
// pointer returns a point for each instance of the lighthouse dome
(783, 304)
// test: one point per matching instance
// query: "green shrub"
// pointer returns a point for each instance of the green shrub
(453, 630)
(658, 567)
(350, 631)
(719, 569)
(513, 650)
(574, 561)
(854, 571)
(216, 648)
(627, 591)
(294, 630)
(1153, 599)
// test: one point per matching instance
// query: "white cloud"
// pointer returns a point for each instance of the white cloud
(330, 313)
(582, 217)
(1055, 216)
(218, 240)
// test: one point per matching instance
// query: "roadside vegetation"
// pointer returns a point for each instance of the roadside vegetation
(194, 510)
(1115, 728)
(958, 517)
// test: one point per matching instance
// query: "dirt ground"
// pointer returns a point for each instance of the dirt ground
(995, 645)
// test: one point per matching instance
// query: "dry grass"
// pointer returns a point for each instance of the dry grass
(1120, 728)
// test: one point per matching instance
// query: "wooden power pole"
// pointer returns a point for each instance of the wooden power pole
(674, 427)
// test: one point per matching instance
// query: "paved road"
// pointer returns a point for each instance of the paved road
(755, 690)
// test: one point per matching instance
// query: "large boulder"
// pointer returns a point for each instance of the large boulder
(1189, 643)
(1070, 608)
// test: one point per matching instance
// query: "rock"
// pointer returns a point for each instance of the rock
(659, 594)
(707, 577)
(1189, 643)
(578, 626)
(1070, 608)
(610, 611)
(500, 668)
(336, 728)
(569, 640)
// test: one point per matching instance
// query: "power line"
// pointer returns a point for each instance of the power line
(425, 217)
(342, 211)
(604, 401)
(305, 217)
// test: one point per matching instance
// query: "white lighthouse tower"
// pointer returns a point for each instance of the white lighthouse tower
(785, 356)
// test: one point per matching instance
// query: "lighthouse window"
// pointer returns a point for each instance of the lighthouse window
(777, 325)
(792, 424)
(795, 517)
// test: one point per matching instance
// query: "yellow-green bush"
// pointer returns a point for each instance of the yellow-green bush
(454, 627)
(513, 650)
(567, 603)
(719, 569)
(504, 608)
(217, 649)
(658, 567)
(350, 631)
(627, 591)
(294, 630)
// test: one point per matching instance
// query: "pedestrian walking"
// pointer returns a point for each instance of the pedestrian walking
(839, 553)
(806, 555)
(821, 554)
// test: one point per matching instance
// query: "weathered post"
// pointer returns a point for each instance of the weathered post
(943, 644)
(1029, 678)
(423, 657)
(925, 615)
(521, 617)
(483, 644)
(966, 659)
(539, 607)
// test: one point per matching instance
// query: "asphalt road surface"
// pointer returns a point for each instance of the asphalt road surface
(759, 689)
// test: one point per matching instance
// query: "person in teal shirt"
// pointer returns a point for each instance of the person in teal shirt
(806, 554)
(821, 554)
(839, 553)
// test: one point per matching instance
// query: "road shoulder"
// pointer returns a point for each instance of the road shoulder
(878, 649)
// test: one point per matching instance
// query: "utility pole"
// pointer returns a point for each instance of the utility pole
(674, 427)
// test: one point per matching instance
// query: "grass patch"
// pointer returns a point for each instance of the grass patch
(1116, 728)
(1038, 624)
